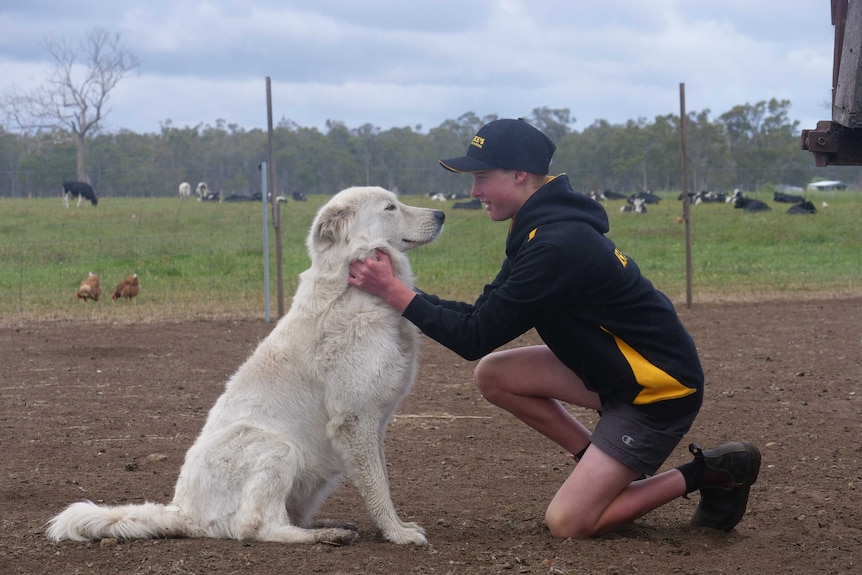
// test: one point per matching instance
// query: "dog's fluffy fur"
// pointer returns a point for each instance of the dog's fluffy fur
(312, 402)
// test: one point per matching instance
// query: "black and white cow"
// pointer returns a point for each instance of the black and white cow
(205, 194)
(705, 196)
(635, 205)
(611, 195)
(804, 207)
(80, 190)
(647, 196)
(750, 204)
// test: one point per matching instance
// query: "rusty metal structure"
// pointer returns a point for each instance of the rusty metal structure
(838, 142)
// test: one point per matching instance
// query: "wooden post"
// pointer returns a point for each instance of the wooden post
(273, 193)
(686, 201)
(264, 174)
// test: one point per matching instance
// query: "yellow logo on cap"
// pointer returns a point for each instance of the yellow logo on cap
(532, 234)
(478, 142)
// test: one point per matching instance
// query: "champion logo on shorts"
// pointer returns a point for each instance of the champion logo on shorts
(628, 440)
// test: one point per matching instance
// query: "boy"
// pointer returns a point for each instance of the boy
(612, 342)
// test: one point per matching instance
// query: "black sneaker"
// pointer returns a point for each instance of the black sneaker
(722, 507)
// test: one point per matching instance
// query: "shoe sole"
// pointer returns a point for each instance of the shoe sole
(742, 505)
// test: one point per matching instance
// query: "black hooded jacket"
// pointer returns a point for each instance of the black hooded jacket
(588, 302)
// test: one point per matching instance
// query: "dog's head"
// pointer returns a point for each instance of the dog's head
(358, 220)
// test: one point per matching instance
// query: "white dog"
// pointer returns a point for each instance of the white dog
(312, 402)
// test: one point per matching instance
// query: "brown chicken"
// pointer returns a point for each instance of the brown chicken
(90, 288)
(128, 288)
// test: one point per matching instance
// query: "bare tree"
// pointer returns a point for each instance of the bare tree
(74, 96)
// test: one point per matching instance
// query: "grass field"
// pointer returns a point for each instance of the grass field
(199, 260)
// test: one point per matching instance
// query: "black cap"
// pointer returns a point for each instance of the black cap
(506, 144)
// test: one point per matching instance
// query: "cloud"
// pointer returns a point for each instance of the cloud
(395, 63)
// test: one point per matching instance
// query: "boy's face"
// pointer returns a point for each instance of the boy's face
(499, 192)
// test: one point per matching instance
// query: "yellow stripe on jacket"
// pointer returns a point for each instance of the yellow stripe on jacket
(657, 384)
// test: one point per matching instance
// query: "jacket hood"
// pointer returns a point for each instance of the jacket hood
(556, 201)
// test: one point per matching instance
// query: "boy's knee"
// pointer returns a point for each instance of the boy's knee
(565, 525)
(486, 377)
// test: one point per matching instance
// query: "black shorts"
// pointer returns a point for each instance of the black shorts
(642, 437)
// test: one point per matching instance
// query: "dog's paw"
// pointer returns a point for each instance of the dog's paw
(337, 536)
(406, 534)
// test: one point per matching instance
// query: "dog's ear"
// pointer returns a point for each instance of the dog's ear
(332, 225)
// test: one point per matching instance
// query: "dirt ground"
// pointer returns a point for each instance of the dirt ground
(107, 411)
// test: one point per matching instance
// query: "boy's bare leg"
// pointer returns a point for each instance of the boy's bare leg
(599, 495)
(530, 382)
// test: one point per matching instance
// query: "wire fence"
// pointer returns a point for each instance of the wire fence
(202, 260)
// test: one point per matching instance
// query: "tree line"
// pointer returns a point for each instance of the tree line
(745, 147)
(54, 133)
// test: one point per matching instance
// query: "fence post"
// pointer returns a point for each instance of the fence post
(686, 201)
(276, 212)
(265, 187)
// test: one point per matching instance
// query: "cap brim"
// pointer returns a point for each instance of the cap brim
(465, 164)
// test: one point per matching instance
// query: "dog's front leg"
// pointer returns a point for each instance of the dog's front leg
(360, 442)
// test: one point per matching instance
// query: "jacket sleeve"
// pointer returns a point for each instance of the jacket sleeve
(464, 307)
(535, 284)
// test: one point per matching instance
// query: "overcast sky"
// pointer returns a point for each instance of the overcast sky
(418, 63)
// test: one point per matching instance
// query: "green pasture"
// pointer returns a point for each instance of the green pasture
(200, 260)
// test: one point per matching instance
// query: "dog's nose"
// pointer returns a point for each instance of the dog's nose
(439, 216)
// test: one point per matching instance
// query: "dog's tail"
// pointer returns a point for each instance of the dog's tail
(86, 521)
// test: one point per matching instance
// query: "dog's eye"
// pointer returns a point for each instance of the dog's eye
(390, 207)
